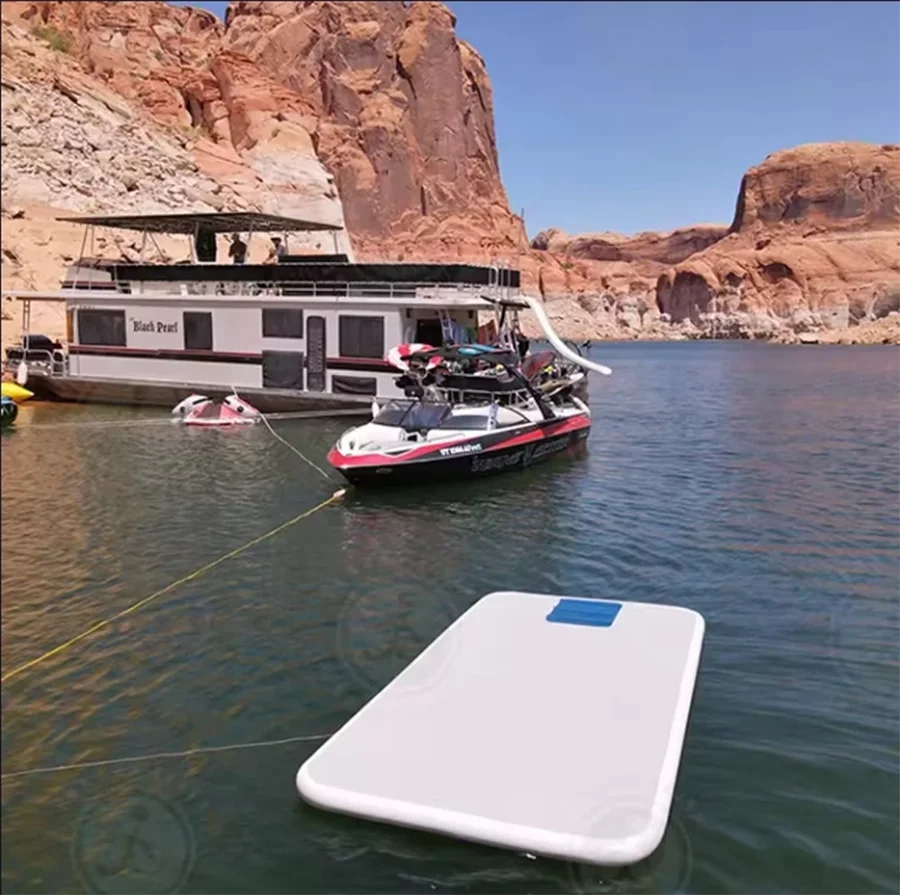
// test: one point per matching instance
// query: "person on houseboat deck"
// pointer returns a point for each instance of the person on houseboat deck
(238, 249)
(277, 252)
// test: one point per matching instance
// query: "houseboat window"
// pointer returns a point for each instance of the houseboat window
(283, 369)
(101, 327)
(354, 385)
(198, 330)
(282, 323)
(360, 336)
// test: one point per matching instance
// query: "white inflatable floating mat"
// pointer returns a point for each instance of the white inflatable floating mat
(550, 725)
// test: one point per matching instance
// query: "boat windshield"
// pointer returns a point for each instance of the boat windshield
(412, 416)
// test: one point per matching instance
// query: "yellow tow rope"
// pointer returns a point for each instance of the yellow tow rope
(196, 574)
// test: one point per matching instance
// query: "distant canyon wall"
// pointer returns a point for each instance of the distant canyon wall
(814, 245)
(815, 240)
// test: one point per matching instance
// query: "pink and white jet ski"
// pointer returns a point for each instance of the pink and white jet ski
(199, 410)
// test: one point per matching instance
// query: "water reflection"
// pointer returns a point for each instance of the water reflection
(418, 561)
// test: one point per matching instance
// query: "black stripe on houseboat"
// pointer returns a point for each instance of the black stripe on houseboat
(96, 285)
(340, 258)
(316, 272)
(361, 365)
(357, 365)
(219, 357)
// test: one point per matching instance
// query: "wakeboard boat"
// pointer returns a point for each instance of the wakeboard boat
(469, 411)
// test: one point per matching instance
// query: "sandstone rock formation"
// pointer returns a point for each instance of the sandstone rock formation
(664, 248)
(378, 103)
(402, 115)
(70, 145)
(377, 115)
(603, 285)
(840, 186)
(815, 244)
(169, 64)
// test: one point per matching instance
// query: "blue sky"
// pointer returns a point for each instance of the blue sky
(644, 115)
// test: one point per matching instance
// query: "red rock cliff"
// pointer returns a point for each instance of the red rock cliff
(664, 248)
(815, 241)
(403, 108)
(392, 105)
(838, 186)
(814, 244)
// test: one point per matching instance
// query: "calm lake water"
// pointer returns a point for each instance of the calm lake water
(756, 484)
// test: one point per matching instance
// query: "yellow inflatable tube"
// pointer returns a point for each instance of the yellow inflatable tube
(16, 392)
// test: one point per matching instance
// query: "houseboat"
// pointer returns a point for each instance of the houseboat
(304, 331)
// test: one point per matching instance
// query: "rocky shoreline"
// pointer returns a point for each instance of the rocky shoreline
(884, 331)
(638, 321)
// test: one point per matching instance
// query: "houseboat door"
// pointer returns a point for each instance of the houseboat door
(428, 332)
(315, 354)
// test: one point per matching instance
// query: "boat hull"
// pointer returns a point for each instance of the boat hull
(504, 456)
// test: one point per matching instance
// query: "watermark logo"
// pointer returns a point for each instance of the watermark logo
(667, 870)
(137, 844)
(378, 635)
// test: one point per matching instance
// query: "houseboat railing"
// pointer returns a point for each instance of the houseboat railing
(52, 363)
(337, 291)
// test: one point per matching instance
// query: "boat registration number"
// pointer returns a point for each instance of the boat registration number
(459, 449)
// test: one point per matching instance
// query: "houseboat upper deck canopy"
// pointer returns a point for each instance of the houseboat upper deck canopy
(217, 222)
(307, 268)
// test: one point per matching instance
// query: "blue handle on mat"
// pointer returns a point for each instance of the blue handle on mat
(596, 613)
